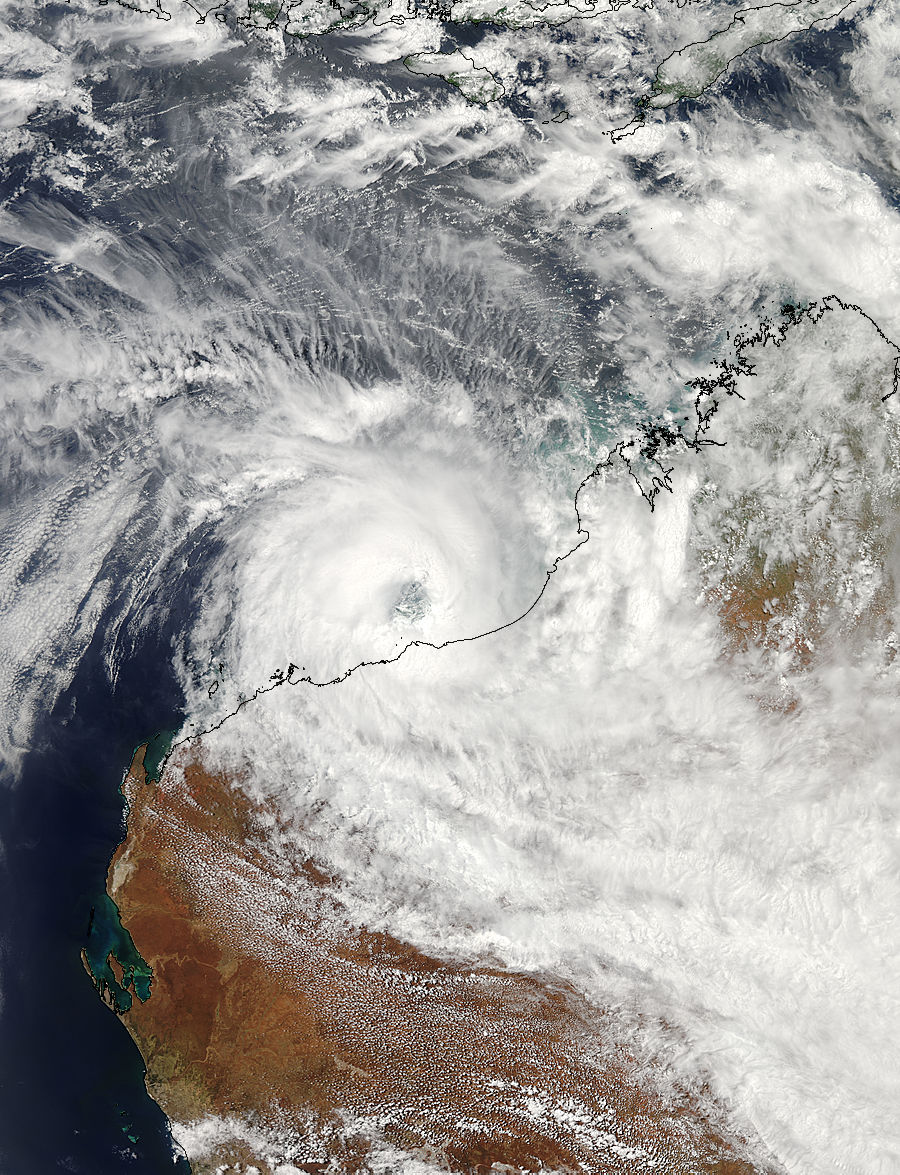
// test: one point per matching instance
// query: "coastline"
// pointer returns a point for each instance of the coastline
(322, 1043)
(111, 958)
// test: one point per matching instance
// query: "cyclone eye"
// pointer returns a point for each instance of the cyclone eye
(412, 603)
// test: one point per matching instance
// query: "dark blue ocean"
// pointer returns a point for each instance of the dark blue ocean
(71, 1080)
(72, 1097)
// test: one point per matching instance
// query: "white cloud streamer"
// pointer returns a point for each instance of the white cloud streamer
(596, 791)
(366, 342)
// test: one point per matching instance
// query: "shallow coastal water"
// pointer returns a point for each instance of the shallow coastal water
(71, 1080)
(307, 358)
(109, 942)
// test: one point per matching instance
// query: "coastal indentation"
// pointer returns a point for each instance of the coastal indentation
(330, 1041)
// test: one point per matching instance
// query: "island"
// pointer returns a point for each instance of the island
(691, 70)
(686, 73)
(475, 82)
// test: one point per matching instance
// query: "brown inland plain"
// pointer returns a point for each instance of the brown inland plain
(270, 1008)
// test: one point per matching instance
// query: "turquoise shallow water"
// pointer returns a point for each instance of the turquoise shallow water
(71, 1078)
(109, 938)
(158, 748)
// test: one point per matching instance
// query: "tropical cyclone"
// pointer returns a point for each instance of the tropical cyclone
(278, 1032)
(277, 1017)
(289, 1022)
(644, 456)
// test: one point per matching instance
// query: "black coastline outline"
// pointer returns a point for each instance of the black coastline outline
(450, 78)
(362, 12)
(643, 107)
(650, 444)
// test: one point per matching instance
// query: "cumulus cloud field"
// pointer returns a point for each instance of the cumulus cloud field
(336, 347)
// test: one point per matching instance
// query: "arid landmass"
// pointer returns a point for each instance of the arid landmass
(270, 1009)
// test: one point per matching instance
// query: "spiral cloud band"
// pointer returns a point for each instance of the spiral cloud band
(307, 364)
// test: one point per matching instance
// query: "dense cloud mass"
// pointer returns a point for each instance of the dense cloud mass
(305, 357)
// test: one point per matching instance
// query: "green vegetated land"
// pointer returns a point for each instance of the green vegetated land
(693, 69)
(687, 73)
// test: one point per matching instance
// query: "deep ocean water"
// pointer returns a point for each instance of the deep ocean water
(303, 358)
